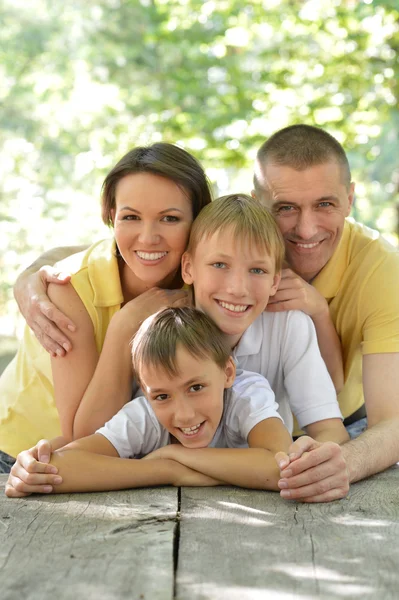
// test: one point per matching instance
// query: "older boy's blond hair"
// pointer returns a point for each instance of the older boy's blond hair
(248, 220)
(155, 343)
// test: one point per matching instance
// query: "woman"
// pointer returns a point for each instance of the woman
(150, 198)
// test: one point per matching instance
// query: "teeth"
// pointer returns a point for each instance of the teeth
(190, 430)
(150, 255)
(308, 245)
(234, 307)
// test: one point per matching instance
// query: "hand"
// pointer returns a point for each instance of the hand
(295, 294)
(166, 452)
(137, 310)
(313, 471)
(31, 474)
(40, 314)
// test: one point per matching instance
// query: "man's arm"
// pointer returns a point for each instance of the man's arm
(30, 292)
(253, 467)
(316, 472)
(378, 447)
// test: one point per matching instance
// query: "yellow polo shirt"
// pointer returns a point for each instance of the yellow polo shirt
(27, 407)
(361, 285)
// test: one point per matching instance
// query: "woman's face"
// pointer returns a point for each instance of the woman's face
(152, 220)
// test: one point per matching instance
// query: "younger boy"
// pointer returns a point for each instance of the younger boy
(197, 425)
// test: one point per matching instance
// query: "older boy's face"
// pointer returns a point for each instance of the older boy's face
(232, 280)
(190, 404)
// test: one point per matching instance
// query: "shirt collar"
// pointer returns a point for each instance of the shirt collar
(328, 281)
(251, 340)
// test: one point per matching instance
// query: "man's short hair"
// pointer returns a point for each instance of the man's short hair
(301, 147)
(155, 343)
(247, 219)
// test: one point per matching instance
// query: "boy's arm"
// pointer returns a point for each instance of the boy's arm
(296, 294)
(328, 430)
(93, 464)
(30, 292)
(253, 467)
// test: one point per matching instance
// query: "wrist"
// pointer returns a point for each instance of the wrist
(322, 312)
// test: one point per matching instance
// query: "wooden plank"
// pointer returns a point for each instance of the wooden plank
(101, 546)
(241, 544)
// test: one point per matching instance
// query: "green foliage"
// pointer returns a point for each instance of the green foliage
(82, 82)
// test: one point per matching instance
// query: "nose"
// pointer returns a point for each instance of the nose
(184, 413)
(148, 234)
(237, 283)
(306, 226)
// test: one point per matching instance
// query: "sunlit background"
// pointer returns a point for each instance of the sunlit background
(83, 82)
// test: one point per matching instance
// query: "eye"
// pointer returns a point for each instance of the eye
(170, 219)
(325, 204)
(219, 265)
(161, 397)
(130, 218)
(197, 387)
(285, 209)
(258, 271)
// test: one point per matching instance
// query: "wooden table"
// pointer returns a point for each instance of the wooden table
(201, 543)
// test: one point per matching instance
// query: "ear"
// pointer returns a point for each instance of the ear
(253, 194)
(276, 283)
(351, 197)
(229, 372)
(187, 268)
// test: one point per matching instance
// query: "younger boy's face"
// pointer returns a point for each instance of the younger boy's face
(190, 404)
(233, 280)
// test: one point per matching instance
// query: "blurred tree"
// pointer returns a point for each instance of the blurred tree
(82, 82)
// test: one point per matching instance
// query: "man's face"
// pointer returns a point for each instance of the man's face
(310, 207)
(190, 404)
(233, 280)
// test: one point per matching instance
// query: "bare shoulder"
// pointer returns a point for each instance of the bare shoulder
(68, 301)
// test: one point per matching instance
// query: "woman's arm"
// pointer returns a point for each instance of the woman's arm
(91, 388)
(254, 467)
(30, 292)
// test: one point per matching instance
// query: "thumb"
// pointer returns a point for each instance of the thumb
(52, 275)
(44, 451)
(301, 445)
(282, 459)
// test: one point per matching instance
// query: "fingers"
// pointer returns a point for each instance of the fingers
(47, 332)
(324, 453)
(51, 275)
(330, 488)
(281, 306)
(37, 484)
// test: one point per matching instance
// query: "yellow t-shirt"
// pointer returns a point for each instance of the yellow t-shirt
(27, 407)
(361, 285)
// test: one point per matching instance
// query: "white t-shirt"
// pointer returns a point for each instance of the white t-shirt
(283, 348)
(135, 431)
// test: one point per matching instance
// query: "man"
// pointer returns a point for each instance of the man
(303, 176)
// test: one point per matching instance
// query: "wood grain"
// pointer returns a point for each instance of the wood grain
(88, 546)
(241, 544)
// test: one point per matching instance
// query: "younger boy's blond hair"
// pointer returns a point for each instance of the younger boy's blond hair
(248, 220)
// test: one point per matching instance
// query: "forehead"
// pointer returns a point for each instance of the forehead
(227, 242)
(283, 183)
(187, 367)
(148, 190)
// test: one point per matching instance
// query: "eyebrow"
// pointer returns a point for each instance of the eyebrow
(187, 383)
(162, 212)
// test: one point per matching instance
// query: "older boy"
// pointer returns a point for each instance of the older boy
(198, 425)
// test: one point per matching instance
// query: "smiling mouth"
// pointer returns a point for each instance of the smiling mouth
(306, 246)
(150, 255)
(235, 308)
(191, 431)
